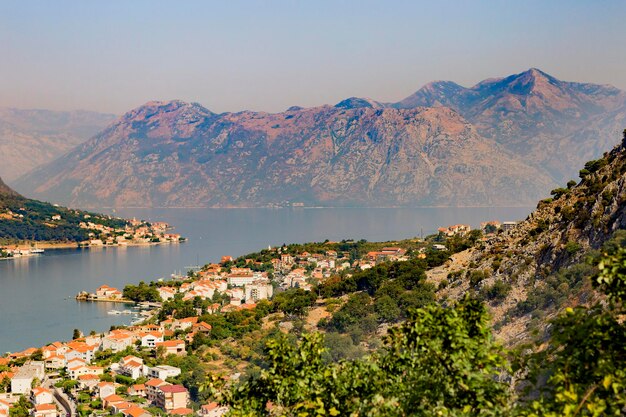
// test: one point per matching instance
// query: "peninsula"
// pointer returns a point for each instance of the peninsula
(28, 226)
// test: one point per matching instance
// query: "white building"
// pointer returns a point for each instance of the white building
(151, 339)
(131, 366)
(40, 395)
(22, 381)
(258, 290)
(163, 372)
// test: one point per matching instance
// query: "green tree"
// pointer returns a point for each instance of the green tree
(585, 360)
(440, 362)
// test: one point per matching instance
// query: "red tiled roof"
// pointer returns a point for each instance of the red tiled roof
(173, 388)
(181, 411)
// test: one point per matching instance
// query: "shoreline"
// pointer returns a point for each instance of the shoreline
(76, 245)
(301, 207)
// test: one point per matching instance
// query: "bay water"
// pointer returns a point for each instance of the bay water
(37, 303)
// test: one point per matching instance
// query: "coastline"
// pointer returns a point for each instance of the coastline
(76, 245)
(51, 246)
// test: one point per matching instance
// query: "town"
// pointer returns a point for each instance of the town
(101, 231)
(143, 369)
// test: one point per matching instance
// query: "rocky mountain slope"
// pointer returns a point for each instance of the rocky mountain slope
(180, 154)
(29, 138)
(540, 265)
(505, 141)
(550, 123)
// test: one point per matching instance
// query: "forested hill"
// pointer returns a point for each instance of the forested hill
(23, 219)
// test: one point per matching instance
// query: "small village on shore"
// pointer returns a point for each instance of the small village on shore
(100, 234)
(142, 369)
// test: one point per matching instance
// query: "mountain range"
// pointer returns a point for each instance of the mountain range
(30, 138)
(502, 142)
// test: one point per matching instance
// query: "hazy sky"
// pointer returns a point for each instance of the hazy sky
(268, 55)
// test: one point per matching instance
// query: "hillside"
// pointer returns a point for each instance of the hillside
(180, 154)
(25, 221)
(532, 271)
(29, 138)
(548, 122)
(506, 141)
(353, 327)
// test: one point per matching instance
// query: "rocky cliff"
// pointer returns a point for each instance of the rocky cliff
(542, 263)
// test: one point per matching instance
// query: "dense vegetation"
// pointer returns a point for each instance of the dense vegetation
(442, 361)
(142, 292)
(34, 222)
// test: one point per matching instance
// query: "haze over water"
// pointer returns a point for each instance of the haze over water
(36, 294)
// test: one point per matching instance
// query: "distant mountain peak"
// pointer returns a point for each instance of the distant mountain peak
(530, 81)
(163, 118)
(159, 107)
(358, 102)
(537, 73)
(435, 93)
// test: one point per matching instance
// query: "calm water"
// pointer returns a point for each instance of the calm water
(36, 294)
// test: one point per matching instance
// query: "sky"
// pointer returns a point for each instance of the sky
(114, 55)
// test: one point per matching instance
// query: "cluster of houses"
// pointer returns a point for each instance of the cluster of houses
(76, 358)
(242, 286)
(135, 232)
(237, 287)
(455, 230)
(245, 286)
(17, 252)
(486, 227)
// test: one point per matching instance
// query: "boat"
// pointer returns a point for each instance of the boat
(114, 312)
(37, 250)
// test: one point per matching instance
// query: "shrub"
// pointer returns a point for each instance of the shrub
(496, 292)
(476, 277)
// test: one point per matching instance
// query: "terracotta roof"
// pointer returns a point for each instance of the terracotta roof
(189, 320)
(204, 325)
(210, 406)
(135, 411)
(45, 407)
(155, 382)
(114, 398)
(41, 390)
(173, 388)
(171, 343)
